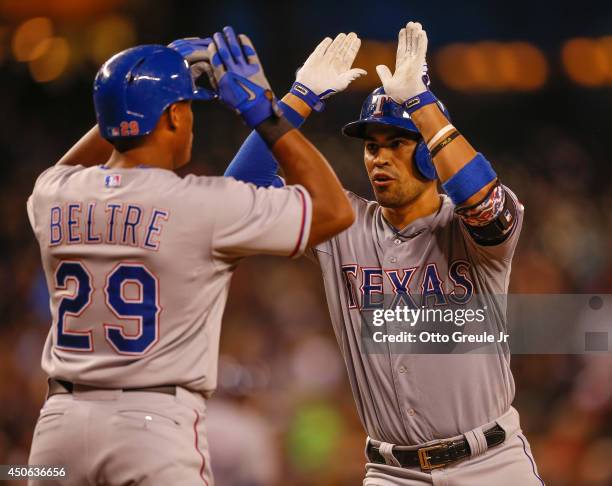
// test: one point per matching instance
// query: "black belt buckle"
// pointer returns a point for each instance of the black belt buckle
(424, 456)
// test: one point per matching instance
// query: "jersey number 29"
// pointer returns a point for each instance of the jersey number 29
(145, 309)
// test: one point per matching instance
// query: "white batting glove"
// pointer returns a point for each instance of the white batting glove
(407, 80)
(327, 70)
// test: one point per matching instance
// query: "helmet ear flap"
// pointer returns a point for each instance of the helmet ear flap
(423, 161)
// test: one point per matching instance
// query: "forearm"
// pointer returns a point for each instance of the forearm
(90, 150)
(448, 161)
(301, 110)
(303, 164)
(490, 213)
(254, 162)
(326, 71)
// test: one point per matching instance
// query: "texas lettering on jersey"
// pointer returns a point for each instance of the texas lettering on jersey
(365, 285)
(125, 224)
(412, 397)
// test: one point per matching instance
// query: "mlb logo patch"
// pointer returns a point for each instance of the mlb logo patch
(113, 180)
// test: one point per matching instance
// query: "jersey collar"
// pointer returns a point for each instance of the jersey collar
(418, 226)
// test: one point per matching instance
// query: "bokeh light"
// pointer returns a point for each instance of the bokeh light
(28, 37)
(314, 434)
(483, 66)
(588, 61)
(57, 9)
(4, 32)
(530, 66)
(53, 62)
(371, 54)
(491, 66)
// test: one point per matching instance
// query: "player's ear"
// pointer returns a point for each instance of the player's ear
(173, 116)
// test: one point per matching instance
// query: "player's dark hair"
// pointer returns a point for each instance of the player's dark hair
(125, 144)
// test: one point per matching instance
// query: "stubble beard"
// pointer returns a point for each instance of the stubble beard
(400, 196)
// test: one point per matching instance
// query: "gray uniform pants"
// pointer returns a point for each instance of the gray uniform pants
(508, 464)
(113, 438)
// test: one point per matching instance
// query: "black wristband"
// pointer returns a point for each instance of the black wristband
(273, 128)
(448, 139)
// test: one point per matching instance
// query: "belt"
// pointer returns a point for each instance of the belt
(437, 455)
(61, 387)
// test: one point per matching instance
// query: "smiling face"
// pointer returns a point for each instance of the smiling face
(389, 160)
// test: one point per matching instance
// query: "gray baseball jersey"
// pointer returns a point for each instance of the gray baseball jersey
(413, 398)
(138, 265)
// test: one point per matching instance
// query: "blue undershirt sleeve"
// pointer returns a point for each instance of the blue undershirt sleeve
(254, 161)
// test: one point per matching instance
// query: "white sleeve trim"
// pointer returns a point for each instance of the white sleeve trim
(304, 232)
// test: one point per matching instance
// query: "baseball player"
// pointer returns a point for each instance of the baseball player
(138, 263)
(439, 419)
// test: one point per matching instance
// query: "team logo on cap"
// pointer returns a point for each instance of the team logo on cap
(113, 180)
(379, 105)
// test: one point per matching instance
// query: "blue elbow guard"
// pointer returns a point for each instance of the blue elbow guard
(470, 179)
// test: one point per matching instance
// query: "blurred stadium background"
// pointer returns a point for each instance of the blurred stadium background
(529, 83)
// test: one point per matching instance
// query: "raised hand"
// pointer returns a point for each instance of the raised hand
(239, 76)
(410, 66)
(328, 70)
(195, 51)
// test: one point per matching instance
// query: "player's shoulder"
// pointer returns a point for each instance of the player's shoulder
(367, 213)
(217, 186)
(57, 173)
(62, 174)
(519, 204)
(361, 205)
(357, 199)
(229, 186)
(222, 192)
(55, 179)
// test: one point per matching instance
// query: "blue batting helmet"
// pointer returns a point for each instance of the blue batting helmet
(380, 109)
(134, 87)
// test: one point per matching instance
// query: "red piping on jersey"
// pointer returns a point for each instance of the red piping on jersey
(195, 430)
(299, 242)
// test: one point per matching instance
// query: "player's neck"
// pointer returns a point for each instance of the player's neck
(425, 204)
(149, 155)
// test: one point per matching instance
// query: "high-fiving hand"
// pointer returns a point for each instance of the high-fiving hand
(239, 75)
(328, 69)
(234, 71)
(195, 52)
(407, 80)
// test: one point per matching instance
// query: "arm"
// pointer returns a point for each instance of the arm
(486, 209)
(90, 150)
(254, 162)
(326, 72)
(430, 120)
(243, 87)
(303, 164)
